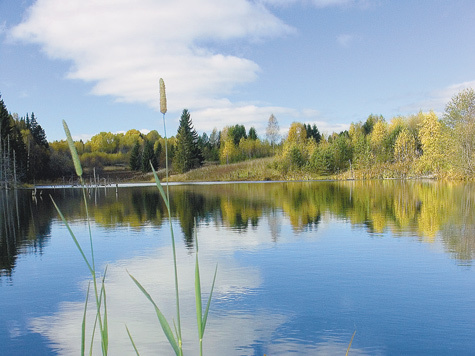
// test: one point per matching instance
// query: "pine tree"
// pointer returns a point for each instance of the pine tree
(188, 154)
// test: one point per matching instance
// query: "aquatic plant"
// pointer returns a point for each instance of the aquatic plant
(100, 294)
(175, 339)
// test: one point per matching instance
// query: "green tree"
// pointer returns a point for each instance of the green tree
(187, 154)
(148, 157)
(237, 132)
(312, 132)
(252, 134)
(135, 157)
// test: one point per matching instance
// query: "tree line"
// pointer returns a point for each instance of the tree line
(24, 150)
(416, 145)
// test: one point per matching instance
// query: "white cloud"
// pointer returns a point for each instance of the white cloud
(124, 46)
(345, 39)
(438, 99)
(320, 3)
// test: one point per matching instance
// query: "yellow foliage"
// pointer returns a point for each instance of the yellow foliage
(405, 147)
(297, 133)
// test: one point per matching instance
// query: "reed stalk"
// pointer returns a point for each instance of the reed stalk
(100, 294)
(175, 340)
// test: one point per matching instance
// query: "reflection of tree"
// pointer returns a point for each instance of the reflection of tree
(459, 234)
(423, 209)
(188, 206)
(275, 223)
(24, 225)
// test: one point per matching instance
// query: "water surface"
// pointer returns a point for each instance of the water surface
(301, 266)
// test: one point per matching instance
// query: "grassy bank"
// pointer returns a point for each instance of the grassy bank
(261, 169)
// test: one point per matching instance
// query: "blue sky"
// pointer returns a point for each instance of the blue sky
(96, 63)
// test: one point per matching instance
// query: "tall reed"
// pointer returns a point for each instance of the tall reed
(175, 339)
(100, 294)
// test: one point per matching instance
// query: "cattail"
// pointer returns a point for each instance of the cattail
(72, 148)
(163, 97)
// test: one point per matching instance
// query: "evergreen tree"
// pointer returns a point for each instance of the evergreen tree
(188, 154)
(237, 132)
(312, 132)
(37, 132)
(156, 154)
(135, 157)
(252, 134)
(12, 148)
(147, 156)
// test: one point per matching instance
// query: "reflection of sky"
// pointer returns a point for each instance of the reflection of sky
(235, 327)
(279, 291)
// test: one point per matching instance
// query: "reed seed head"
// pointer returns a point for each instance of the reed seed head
(72, 148)
(163, 97)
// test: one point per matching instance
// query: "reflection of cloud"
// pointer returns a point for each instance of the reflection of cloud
(126, 305)
(332, 346)
(231, 330)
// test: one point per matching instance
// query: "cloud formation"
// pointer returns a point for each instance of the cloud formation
(438, 99)
(124, 46)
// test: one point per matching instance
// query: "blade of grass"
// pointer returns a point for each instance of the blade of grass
(132, 341)
(105, 330)
(163, 321)
(73, 236)
(160, 188)
(205, 316)
(349, 346)
(83, 326)
(199, 311)
(200, 318)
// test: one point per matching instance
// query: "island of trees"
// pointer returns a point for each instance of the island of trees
(419, 145)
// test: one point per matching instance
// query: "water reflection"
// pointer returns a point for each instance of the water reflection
(297, 271)
(236, 327)
(23, 227)
(422, 209)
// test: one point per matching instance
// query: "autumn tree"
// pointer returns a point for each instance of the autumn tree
(228, 152)
(434, 145)
(297, 147)
(378, 137)
(460, 118)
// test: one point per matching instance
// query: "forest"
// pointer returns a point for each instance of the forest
(418, 145)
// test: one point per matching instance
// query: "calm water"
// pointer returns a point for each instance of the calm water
(301, 266)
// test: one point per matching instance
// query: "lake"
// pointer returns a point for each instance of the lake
(301, 266)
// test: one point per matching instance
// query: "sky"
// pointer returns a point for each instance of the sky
(97, 63)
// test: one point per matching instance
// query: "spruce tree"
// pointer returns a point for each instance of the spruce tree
(147, 156)
(188, 154)
(135, 157)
